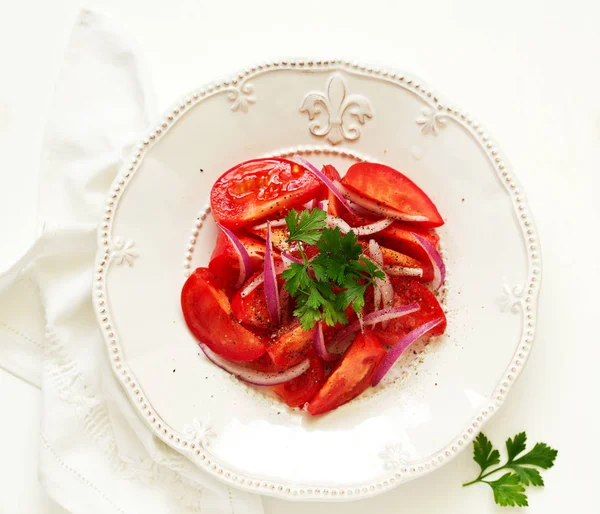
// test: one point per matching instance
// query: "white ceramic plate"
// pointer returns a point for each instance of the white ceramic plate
(157, 228)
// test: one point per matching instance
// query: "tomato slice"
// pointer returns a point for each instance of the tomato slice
(208, 315)
(400, 237)
(291, 345)
(261, 188)
(406, 291)
(224, 263)
(251, 308)
(352, 376)
(300, 390)
(392, 189)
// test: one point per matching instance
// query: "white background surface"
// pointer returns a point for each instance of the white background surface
(528, 70)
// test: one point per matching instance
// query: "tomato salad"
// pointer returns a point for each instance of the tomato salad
(317, 283)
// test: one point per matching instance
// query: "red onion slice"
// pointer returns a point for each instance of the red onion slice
(323, 205)
(271, 289)
(373, 228)
(275, 223)
(383, 285)
(319, 345)
(401, 271)
(439, 268)
(334, 221)
(365, 230)
(374, 318)
(242, 254)
(290, 258)
(323, 178)
(260, 278)
(373, 206)
(252, 376)
(399, 348)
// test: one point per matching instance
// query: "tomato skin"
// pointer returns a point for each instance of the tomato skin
(406, 291)
(291, 345)
(351, 377)
(208, 315)
(300, 390)
(260, 188)
(392, 189)
(252, 308)
(224, 262)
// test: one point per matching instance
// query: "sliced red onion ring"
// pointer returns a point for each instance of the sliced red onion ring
(374, 318)
(275, 223)
(365, 230)
(271, 289)
(334, 221)
(399, 348)
(439, 268)
(401, 271)
(242, 254)
(375, 207)
(319, 345)
(373, 228)
(383, 285)
(252, 376)
(290, 258)
(323, 178)
(260, 278)
(323, 205)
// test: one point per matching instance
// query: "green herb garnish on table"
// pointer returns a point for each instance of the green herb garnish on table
(509, 489)
(337, 277)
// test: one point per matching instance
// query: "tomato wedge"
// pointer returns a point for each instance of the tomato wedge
(390, 188)
(300, 390)
(291, 345)
(251, 308)
(224, 263)
(406, 291)
(261, 188)
(400, 237)
(208, 315)
(352, 376)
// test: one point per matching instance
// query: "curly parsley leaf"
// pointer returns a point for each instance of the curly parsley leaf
(509, 489)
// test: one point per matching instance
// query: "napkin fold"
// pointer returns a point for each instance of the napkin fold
(96, 454)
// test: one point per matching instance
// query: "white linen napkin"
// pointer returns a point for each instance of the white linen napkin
(96, 454)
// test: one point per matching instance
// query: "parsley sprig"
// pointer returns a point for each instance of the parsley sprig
(337, 277)
(509, 489)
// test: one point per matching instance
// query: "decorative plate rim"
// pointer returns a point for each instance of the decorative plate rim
(523, 298)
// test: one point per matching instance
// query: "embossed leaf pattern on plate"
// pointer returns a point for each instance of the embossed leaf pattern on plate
(393, 456)
(199, 431)
(123, 252)
(431, 122)
(512, 299)
(241, 97)
(334, 114)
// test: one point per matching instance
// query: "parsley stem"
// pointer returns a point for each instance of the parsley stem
(481, 476)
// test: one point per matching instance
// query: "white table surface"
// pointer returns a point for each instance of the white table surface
(529, 70)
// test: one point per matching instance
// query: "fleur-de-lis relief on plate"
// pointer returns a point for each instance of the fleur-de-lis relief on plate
(334, 114)
(200, 431)
(512, 299)
(393, 456)
(123, 252)
(431, 122)
(241, 96)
